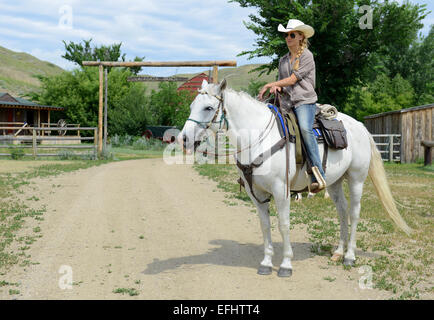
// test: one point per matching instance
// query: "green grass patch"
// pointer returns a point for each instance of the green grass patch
(129, 291)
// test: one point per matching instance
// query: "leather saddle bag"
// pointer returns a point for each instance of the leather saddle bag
(334, 133)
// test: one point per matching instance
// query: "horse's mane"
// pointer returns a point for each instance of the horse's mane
(245, 95)
(212, 88)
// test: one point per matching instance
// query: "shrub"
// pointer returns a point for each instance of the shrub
(17, 154)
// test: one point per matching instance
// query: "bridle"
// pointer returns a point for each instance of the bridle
(206, 124)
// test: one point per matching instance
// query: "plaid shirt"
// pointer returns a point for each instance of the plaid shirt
(303, 91)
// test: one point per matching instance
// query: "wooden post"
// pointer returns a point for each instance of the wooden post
(49, 119)
(101, 80)
(215, 74)
(105, 111)
(391, 148)
(34, 143)
(95, 139)
(39, 119)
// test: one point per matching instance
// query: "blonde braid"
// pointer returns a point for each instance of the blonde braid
(303, 45)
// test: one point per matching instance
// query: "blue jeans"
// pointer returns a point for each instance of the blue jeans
(306, 116)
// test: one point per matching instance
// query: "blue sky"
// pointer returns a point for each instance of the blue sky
(160, 30)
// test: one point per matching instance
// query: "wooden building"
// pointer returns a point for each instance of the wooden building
(195, 83)
(17, 112)
(413, 124)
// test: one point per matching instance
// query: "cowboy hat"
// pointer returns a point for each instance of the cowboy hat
(297, 25)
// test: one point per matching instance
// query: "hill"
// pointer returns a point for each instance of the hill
(18, 72)
(238, 77)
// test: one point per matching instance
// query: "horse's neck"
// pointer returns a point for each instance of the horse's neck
(248, 119)
(244, 113)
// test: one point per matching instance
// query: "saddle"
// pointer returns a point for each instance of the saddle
(328, 131)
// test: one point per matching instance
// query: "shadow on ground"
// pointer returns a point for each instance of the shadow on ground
(230, 253)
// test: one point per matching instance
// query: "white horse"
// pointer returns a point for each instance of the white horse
(216, 107)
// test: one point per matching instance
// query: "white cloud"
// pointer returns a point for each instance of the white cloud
(159, 30)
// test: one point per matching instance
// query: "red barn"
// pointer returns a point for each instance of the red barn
(194, 83)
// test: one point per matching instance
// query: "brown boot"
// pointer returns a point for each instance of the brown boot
(315, 187)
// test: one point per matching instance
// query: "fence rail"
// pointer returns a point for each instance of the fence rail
(12, 142)
(389, 146)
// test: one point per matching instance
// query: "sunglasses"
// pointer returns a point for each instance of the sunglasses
(291, 35)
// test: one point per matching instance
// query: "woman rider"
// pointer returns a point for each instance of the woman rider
(297, 86)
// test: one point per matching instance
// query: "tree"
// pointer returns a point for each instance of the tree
(342, 49)
(78, 92)
(254, 87)
(420, 68)
(382, 95)
(79, 52)
(169, 107)
(131, 113)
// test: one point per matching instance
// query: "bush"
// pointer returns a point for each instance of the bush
(120, 141)
(17, 154)
(70, 155)
(148, 144)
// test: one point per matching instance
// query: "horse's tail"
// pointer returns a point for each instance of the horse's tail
(378, 177)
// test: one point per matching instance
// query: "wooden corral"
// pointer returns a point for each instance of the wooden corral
(413, 124)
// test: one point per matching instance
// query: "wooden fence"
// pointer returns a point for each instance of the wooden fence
(37, 142)
(389, 146)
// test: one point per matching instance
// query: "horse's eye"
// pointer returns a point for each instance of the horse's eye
(208, 109)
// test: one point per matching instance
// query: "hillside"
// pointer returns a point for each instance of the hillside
(18, 71)
(238, 77)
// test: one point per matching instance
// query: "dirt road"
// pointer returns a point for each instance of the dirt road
(164, 231)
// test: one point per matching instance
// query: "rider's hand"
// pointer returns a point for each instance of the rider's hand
(275, 89)
(263, 90)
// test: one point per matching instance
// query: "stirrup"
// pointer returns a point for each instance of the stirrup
(319, 178)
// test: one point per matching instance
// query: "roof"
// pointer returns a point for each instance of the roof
(426, 106)
(194, 83)
(8, 101)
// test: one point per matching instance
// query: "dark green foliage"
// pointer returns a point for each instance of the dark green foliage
(17, 154)
(130, 110)
(344, 53)
(129, 115)
(77, 52)
(169, 107)
(254, 87)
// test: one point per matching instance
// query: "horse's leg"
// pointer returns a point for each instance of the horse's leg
(356, 188)
(266, 265)
(283, 206)
(337, 195)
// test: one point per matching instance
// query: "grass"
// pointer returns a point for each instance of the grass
(129, 291)
(405, 265)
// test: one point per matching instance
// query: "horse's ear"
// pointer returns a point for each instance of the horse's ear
(222, 85)
(204, 84)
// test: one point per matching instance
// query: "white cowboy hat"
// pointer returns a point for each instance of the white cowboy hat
(297, 25)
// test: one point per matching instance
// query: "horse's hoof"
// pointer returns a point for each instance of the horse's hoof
(264, 271)
(349, 262)
(284, 273)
